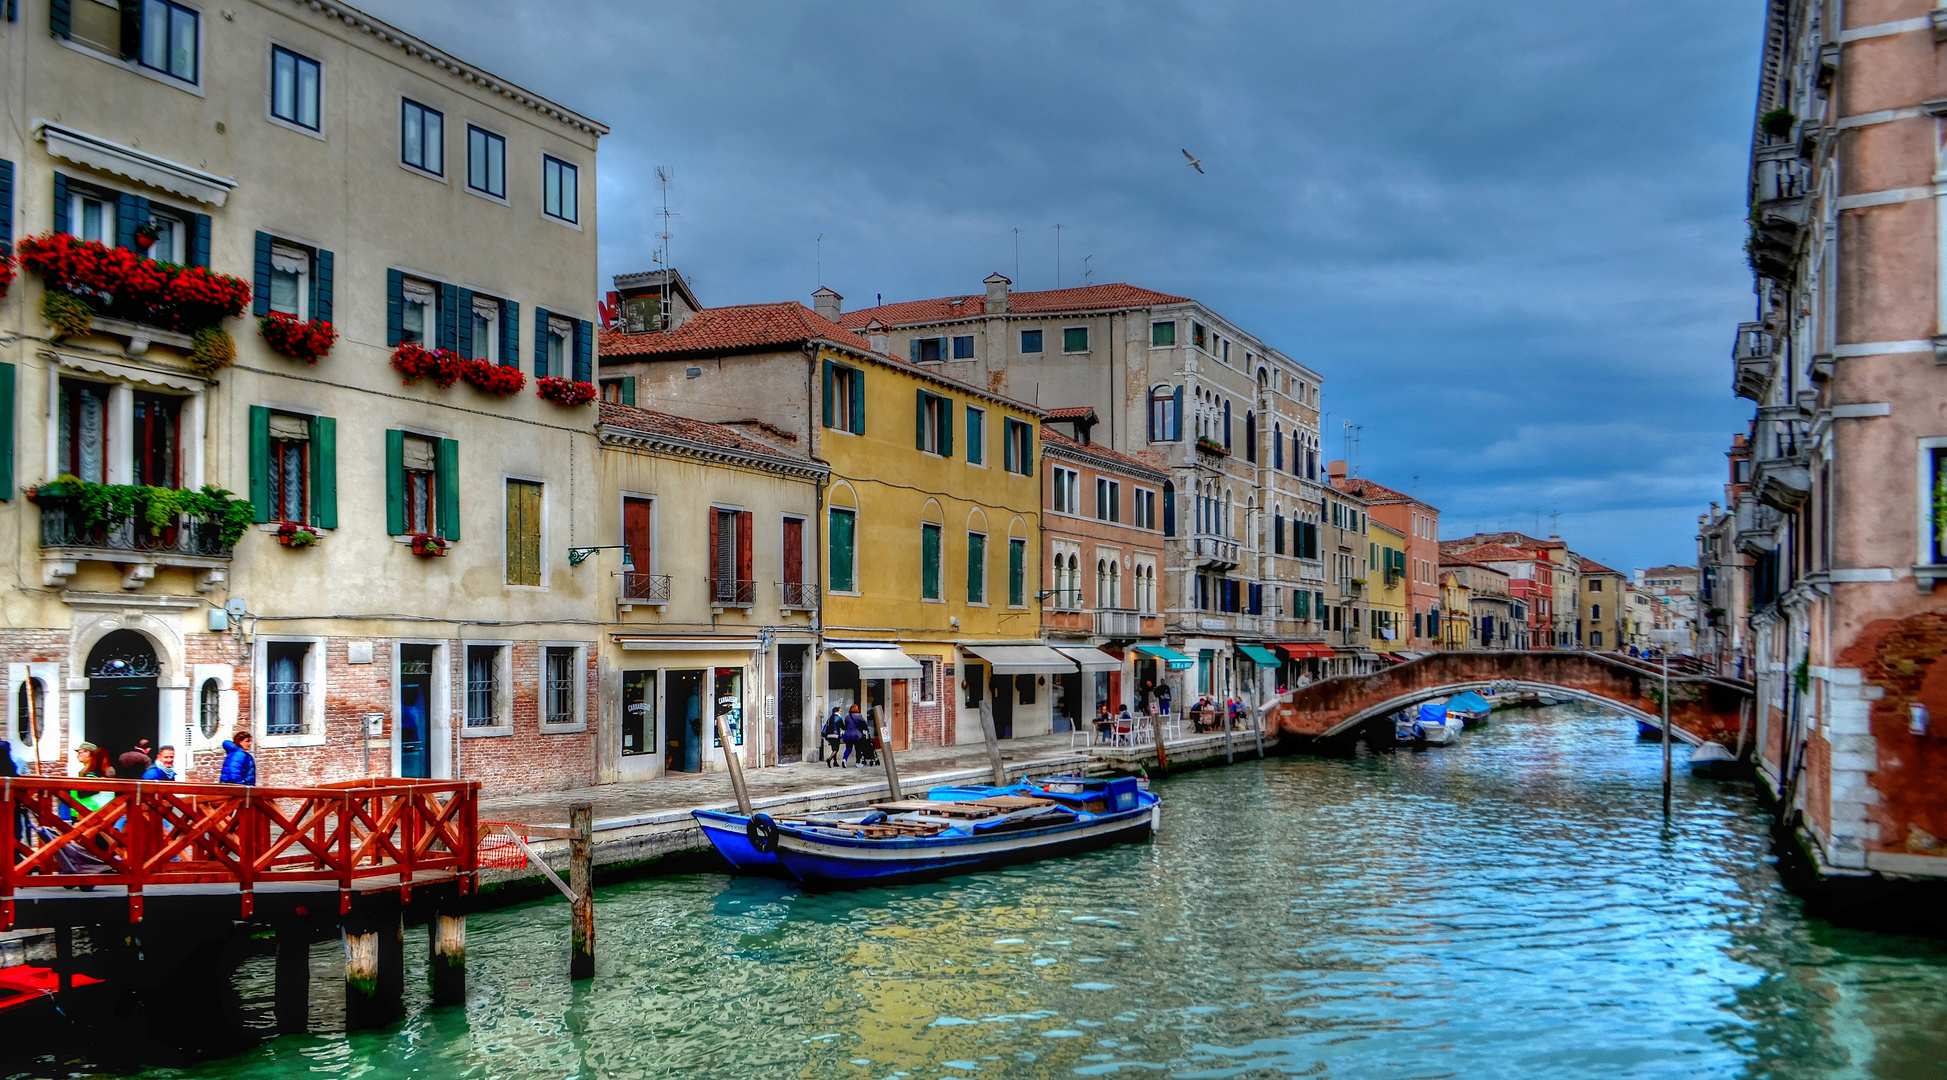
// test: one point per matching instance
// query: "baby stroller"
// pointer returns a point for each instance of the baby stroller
(868, 751)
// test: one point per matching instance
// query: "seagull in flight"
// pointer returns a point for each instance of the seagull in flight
(1194, 163)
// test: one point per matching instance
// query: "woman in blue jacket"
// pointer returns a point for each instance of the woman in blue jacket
(239, 767)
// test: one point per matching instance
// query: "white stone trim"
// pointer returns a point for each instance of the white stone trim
(1886, 29)
(1882, 116)
(1881, 348)
(1884, 198)
(1862, 410)
(1862, 574)
(53, 755)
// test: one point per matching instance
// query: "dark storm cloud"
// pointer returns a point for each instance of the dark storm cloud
(1508, 234)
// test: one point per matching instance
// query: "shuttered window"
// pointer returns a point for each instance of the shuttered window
(843, 531)
(523, 532)
(294, 468)
(422, 486)
(1017, 572)
(1018, 444)
(976, 568)
(976, 436)
(933, 424)
(6, 207)
(929, 562)
(844, 398)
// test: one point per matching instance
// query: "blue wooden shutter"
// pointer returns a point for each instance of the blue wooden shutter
(61, 197)
(449, 317)
(858, 401)
(628, 389)
(6, 432)
(60, 17)
(199, 241)
(463, 321)
(260, 462)
(395, 312)
(395, 482)
(448, 481)
(6, 207)
(510, 334)
(540, 342)
(829, 419)
(321, 281)
(584, 351)
(1176, 416)
(912, 350)
(260, 277)
(131, 212)
(324, 472)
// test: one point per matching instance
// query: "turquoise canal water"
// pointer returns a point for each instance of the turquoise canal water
(1511, 906)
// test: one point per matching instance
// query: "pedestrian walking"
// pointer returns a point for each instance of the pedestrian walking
(853, 732)
(134, 761)
(239, 765)
(164, 767)
(833, 732)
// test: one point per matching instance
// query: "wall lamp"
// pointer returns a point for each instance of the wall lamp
(579, 555)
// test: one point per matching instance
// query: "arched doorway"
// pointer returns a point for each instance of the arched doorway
(121, 703)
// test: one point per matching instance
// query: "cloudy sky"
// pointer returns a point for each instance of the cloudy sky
(1508, 234)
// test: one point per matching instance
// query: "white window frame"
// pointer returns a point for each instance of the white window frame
(967, 437)
(545, 486)
(110, 209)
(136, 67)
(314, 698)
(490, 307)
(1923, 485)
(281, 253)
(581, 686)
(227, 703)
(1086, 337)
(1067, 483)
(270, 91)
(48, 673)
(503, 689)
(563, 331)
(929, 681)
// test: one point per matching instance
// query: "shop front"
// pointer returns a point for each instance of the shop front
(670, 694)
(1018, 684)
(878, 678)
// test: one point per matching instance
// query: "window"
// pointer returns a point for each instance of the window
(157, 422)
(1595, 612)
(1074, 339)
(209, 709)
(523, 532)
(30, 711)
(169, 38)
(422, 137)
(976, 568)
(1165, 414)
(1199, 336)
(1145, 507)
(486, 329)
(929, 562)
(1030, 341)
(1595, 584)
(558, 690)
(844, 576)
(963, 347)
(483, 686)
(83, 434)
(934, 426)
(421, 487)
(1017, 573)
(929, 680)
(559, 190)
(91, 216)
(1108, 500)
(290, 270)
(486, 162)
(976, 436)
(294, 88)
(1162, 333)
(1018, 442)
(285, 687)
(172, 233)
(929, 350)
(1595, 638)
(1277, 533)
(418, 313)
(844, 398)
(1066, 483)
(289, 471)
(561, 336)
(730, 567)
(1250, 434)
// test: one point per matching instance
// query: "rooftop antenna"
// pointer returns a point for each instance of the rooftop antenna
(1358, 436)
(1088, 272)
(1058, 228)
(1346, 431)
(663, 175)
(1555, 523)
(1017, 253)
(821, 260)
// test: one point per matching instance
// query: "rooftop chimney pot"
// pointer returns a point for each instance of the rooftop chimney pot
(997, 284)
(826, 302)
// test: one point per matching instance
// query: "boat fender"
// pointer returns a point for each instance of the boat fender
(874, 818)
(762, 832)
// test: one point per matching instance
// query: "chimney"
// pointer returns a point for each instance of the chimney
(827, 303)
(1335, 470)
(997, 293)
(875, 333)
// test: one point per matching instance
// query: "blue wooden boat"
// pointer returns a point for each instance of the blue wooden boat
(961, 830)
(730, 835)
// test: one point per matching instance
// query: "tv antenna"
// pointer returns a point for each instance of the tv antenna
(663, 175)
(1017, 253)
(1088, 272)
(1058, 228)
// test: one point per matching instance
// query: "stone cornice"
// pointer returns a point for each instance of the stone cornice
(629, 438)
(1101, 462)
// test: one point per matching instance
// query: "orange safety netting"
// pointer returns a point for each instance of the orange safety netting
(497, 850)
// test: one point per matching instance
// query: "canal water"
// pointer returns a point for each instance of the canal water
(1510, 906)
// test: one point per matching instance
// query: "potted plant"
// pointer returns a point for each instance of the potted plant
(415, 362)
(568, 392)
(297, 339)
(6, 274)
(146, 234)
(292, 535)
(428, 547)
(500, 380)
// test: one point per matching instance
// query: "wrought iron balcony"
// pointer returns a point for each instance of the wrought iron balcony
(72, 534)
(1751, 357)
(799, 595)
(645, 588)
(732, 592)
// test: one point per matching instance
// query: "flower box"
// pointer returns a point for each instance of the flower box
(1211, 446)
(414, 362)
(122, 284)
(501, 380)
(428, 547)
(568, 392)
(6, 274)
(293, 535)
(299, 340)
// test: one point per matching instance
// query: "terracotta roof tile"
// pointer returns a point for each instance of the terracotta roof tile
(1590, 566)
(1055, 438)
(650, 422)
(1371, 492)
(1047, 301)
(1489, 553)
(723, 329)
(1072, 412)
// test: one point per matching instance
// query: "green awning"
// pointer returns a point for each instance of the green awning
(1264, 657)
(1176, 660)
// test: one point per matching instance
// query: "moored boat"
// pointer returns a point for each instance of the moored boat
(1469, 708)
(1712, 761)
(729, 834)
(918, 839)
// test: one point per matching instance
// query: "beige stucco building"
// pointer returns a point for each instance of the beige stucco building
(345, 172)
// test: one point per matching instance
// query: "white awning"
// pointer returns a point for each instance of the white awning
(138, 165)
(1022, 659)
(882, 662)
(1091, 659)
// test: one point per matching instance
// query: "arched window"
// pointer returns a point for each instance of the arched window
(1165, 414)
(1226, 423)
(30, 712)
(1169, 508)
(209, 709)
(1277, 446)
(1250, 435)
(1115, 584)
(1103, 598)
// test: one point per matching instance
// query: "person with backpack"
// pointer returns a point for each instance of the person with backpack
(833, 732)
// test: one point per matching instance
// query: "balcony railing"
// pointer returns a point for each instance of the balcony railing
(732, 592)
(799, 595)
(1783, 482)
(64, 524)
(1751, 357)
(1122, 624)
(1216, 551)
(645, 588)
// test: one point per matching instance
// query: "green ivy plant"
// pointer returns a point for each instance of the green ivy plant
(1777, 123)
(157, 507)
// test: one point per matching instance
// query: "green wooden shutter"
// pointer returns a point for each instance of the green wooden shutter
(541, 343)
(1017, 572)
(929, 562)
(584, 351)
(260, 462)
(131, 213)
(131, 29)
(199, 241)
(628, 389)
(260, 277)
(829, 420)
(324, 472)
(946, 427)
(1007, 446)
(463, 321)
(321, 282)
(6, 207)
(510, 334)
(61, 194)
(6, 432)
(858, 401)
(395, 312)
(60, 17)
(448, 480)
(976, 568)
(395, 482)
(449, 317)
(919, 422)
(842, 527)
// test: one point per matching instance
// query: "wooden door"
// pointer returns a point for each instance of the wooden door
(638, 533)
(901, 689)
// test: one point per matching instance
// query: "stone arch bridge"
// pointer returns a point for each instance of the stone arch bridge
(1702, 707)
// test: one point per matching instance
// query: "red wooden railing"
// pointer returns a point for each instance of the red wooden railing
(151, 833)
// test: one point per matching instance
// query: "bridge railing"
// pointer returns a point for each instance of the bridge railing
(79, 832)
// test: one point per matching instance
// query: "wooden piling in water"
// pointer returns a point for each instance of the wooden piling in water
(993, 742)
(884, 735)
(446, 957)
(736, 766)
(361, 977)
(292, 992)
(581, 882)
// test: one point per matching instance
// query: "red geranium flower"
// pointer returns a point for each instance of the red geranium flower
(570, 392)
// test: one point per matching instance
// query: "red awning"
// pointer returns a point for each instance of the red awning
(1299, 650)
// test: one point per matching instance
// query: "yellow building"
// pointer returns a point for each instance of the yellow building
(1457, 603)
(930, 519)
(1387, 586)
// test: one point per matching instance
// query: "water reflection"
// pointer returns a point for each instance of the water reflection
(1510, 906)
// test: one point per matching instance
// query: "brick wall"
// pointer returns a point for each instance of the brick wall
(34, 646)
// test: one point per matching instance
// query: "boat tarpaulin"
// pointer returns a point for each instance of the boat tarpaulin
(1468, 702)
(1177, 661)
(880, 662)
(1022, 659)
(1433, 713)
(1090, 658)
(1263, 657)
(1301, 650)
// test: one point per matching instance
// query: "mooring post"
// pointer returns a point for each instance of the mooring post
(993, 742)
(446, 957)
(581, 882)
(392, 964)
(293, 979)
(736, 765)
(361, 976)
(884, 734)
